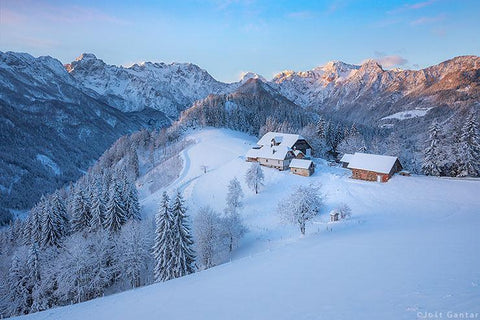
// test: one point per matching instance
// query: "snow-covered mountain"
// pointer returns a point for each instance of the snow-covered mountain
(170, 88)
(367, 93)
(52, 128)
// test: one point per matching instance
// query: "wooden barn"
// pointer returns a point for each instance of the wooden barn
(302, 167)
(276, 150)
(373, 167)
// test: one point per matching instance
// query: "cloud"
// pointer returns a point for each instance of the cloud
(427, 20)
(420, 5)
(391, 61)
(413, 6)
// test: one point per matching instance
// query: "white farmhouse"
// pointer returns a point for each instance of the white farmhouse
(276, 150)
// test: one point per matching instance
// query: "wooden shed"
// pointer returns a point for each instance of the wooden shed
(302, 167)
(373, 167)
(334, 215)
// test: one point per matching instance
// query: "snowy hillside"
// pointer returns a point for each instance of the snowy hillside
(410, 247)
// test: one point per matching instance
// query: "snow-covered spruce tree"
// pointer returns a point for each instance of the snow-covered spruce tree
(58, 206)
(52, 226)
(115, 213)
(133, 206)
(19, 297)
(81, 215)
(98, 212)
(254, 177)
(433, 152)
(163, 244)
(469, 148)
(38, 299)
(208, 237)
(183, 255)
(32, 232)
(301, 206)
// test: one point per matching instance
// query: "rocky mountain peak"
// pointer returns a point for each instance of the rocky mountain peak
(86, 56)
(371, 65)
(251, 75)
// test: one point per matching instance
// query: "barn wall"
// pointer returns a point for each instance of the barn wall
(369, 175)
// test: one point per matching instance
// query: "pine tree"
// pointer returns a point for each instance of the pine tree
(469, 151)
(98, 213)
(60, 210)
(32, 232)
(183, 256)
(321, 128)
(254, 177)
(37, 297)
(115, 215)
(133, 206)
(17, 282)
(52, 229)
(433, 152)
(81, 215)
(162, 249)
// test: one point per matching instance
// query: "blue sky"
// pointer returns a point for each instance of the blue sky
(228, 37)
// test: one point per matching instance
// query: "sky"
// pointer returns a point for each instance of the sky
(230, 37)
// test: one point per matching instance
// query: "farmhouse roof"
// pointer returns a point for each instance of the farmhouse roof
(275, 152)
(347, 157)
(285, 139)
(372, 162)
(300, 163)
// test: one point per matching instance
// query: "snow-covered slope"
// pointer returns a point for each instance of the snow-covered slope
(411, 247)
(170, 88)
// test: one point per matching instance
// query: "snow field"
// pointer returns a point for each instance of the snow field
(410, 247)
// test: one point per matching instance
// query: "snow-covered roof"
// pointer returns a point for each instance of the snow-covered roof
(297, 152)
(372, 162)
(334, 212)
(347, 157)
(300, 163)
(285, 139)
(268, 152)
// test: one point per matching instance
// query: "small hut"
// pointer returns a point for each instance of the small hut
(302, 167)
(334, 215)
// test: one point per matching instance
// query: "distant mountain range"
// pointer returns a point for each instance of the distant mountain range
(56, 120)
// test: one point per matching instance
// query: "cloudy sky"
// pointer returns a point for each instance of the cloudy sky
(228, 37)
